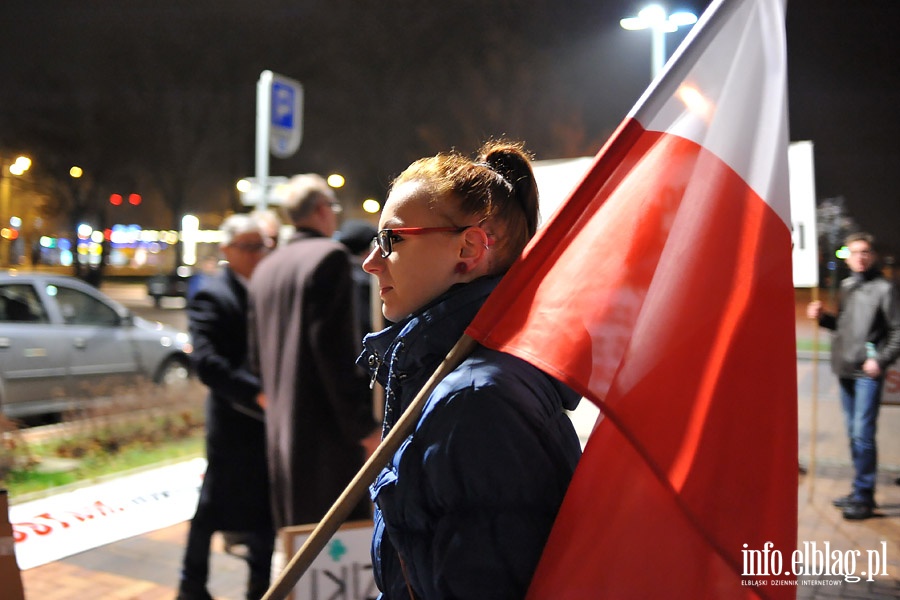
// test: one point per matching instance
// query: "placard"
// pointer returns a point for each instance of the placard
(342, 570)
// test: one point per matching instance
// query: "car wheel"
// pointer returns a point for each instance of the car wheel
(157, 301)
(174, 371)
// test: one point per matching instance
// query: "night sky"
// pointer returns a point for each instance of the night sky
(387, 82)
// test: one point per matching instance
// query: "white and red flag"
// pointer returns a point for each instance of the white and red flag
(661, 290)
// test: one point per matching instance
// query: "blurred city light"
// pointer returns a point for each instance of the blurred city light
(371, 205)
(76, 172)
(190, 228)
(694, 100)
(22, 164)
(654, 18)
(336, 181)
(254, 194)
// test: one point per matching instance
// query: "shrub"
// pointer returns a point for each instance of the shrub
(135, 420)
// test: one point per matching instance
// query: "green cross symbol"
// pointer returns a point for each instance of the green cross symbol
(336, 550)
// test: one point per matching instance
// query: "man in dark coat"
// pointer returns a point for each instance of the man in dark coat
(235, 492)
(304, 340)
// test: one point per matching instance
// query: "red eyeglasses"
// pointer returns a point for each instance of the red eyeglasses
(386, 237)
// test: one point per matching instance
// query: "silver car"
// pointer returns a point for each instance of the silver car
(61, 338)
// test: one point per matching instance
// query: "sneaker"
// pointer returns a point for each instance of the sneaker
(857, 511)
(843, 501)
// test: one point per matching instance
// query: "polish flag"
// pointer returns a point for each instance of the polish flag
(661, 290)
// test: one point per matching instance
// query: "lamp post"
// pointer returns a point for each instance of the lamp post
(655, 19)
(17, 168)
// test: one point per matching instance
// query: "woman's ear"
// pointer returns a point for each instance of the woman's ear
(473, 250)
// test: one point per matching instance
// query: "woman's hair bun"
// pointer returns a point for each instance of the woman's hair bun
(513, 164)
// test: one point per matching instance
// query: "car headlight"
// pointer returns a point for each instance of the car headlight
(184, 340)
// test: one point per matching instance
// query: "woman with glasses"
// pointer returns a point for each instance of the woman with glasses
(466, 504)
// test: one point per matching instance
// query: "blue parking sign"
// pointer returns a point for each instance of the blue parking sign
(282, 105)
(286, 116)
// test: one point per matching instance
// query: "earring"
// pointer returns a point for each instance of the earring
(461, 268)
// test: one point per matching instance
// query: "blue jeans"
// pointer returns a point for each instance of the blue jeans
(861, 399)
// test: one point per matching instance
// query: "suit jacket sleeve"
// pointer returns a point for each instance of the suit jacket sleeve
(213, 329)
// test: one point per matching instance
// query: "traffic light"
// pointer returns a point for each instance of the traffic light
(118, 199)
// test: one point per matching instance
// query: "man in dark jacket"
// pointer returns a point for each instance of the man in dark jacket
(866, 341)
(304, 341)
(235, 491)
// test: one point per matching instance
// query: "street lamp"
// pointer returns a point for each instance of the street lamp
(371, 205)
(22, 164)
(336, 180)
(17, 168)
(655, 19)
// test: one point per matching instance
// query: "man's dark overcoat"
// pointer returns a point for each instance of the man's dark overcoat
(302, 314)
(235, 491)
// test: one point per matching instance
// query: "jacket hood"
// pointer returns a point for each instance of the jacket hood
(423, 339)
(429, 332)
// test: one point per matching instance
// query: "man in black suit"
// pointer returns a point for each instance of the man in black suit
(234, 496)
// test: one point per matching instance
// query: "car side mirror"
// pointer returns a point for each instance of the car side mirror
(127, 319)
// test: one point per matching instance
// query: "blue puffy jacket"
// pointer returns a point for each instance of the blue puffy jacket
(467, 502)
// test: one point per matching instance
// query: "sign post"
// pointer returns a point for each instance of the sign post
(803, 215)
(805, 258)
(279, 123)
(10, 578)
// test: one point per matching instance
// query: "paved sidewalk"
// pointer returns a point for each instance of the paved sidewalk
(145, 567)
(819, 522)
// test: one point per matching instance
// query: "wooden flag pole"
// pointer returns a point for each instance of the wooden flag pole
(355, 490)
(813, 430)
